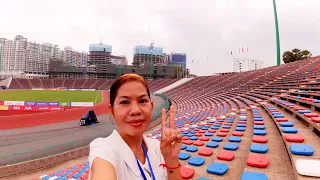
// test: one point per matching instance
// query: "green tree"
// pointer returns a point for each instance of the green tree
(295, 55)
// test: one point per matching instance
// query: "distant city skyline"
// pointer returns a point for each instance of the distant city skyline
(210, 28)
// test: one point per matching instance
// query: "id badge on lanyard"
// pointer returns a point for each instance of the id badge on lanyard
(141, 170)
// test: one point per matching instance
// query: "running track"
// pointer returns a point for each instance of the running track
(36, 119)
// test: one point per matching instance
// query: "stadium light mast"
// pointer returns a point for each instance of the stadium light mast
(277, 32)
(151, 49)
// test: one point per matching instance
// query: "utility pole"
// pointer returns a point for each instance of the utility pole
(277, 31)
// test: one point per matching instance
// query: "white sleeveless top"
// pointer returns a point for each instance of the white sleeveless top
(115, 150)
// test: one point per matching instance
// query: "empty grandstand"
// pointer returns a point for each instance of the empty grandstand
(260, 124)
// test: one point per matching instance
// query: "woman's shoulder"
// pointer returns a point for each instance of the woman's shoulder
(103, 143)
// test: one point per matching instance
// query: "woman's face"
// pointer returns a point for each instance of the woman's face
(132, 109)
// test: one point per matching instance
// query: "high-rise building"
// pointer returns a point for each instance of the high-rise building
(246, 64)
(20, 58)
(119, 60)
(143, 54)
(99, 54)
(178, 59)
(69, 56)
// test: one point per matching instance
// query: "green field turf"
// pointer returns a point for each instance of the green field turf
(51, 96)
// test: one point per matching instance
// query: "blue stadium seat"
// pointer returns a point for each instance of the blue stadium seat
(193, 138)
(240, 128)
(183, 146)
(258, 119)
(196, 161)
(235, 139)
(217, 138)
(241, 125)
(260, 127)
(217, 168)
(212, 144)
(259, 132)
(259, 148)
(289, 130)
(286, 124)
(208, 134)
(301, 149)
(183, 156)
(230, 146)
(246, 175)
(278, 116)
(192, 148)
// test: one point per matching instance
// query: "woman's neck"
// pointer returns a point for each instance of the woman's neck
(134, 143)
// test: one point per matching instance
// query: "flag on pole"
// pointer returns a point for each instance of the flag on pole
(231, 52)
(242, 49)
(247, 48)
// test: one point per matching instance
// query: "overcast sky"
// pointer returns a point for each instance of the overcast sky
(204, 29)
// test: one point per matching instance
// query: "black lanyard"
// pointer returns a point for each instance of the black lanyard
(141, 171)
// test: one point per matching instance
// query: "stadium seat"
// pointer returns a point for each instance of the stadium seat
(259, 132)
(308, 167)
(281, 119)
(193, 138)
(257, 161)
(212, 144)
(222, 134)
(234, 139)
(217, 168)
(246, 175)
(315, 119)
(241, 125)
(294, 138)
(224, 130)
(204, 138)
(192, 148)
(216, 138)
(286, 124)
(259, 127)
(226, 155)
(231, 146)
(237, 133)
(205, 151)
(186, 173)
(259, 148)
(183, 156)
(240, 129)
(301, 149)
(208, 134)
(259, 139)
(289, 129)
(196, 161)
(188, 142)
(183, 146)
(311, 115)
(258, 122)
(198, 143)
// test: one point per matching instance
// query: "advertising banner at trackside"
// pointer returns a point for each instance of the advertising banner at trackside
(4, 107)
(21, 108)
(53, 104)
(30, 103)
(16, 103)
(64, 103)
(41, 104)
(88, 89)
(82, 103)
(50, 108)
(1, 102)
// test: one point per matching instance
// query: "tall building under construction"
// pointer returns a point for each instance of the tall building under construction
(143, 54)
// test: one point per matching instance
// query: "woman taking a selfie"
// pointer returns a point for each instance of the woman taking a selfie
(127, 154)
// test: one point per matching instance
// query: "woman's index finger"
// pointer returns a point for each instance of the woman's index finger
(163, 122)
(172, 117)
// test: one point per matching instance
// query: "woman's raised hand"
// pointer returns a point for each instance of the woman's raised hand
(171, 138)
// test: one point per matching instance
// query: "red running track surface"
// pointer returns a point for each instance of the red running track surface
(36, 119)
